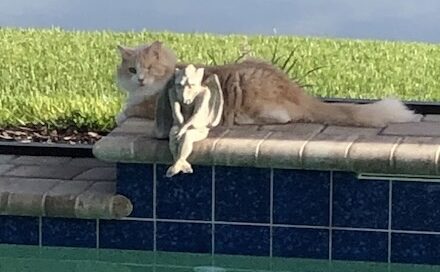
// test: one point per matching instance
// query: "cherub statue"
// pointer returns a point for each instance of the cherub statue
(197, 107)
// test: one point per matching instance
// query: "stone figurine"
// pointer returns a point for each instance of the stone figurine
(196, 107)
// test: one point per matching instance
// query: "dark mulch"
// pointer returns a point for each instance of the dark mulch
(42, 134)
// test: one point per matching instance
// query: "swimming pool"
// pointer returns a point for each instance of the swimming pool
(39, 259)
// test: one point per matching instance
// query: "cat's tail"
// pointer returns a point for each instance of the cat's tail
(376, 114)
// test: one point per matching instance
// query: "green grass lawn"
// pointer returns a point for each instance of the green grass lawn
(62, 78)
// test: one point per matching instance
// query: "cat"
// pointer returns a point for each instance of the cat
(255, 92)
(143, 83)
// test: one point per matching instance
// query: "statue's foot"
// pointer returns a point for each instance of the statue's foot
(179, 166)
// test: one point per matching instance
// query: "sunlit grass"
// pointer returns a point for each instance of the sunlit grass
(62, 78)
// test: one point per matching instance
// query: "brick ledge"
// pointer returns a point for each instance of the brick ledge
(407, 148)
(84, 206)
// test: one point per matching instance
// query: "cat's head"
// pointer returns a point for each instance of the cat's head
(188, 83)
(146, 69)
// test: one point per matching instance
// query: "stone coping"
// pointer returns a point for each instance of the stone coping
(60, 187)
(401, 148)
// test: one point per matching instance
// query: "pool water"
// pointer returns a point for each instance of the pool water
(36, 259)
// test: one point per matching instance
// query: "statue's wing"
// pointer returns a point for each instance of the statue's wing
(216, 102)
(163, 120)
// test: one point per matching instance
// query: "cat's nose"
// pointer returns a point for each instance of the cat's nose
(141, 81)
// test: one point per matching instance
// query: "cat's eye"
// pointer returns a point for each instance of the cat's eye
(132, 70)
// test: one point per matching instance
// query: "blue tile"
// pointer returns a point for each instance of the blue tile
(242, 194)
(415, 248)
(360, 203)
(185, 196)
(133, 235)
(242, 240)
(360, 246)
(184, 237)
(300, 243)
(301, 197)
(69, 232)
(135, 181)
(416, 206)
(18, 230)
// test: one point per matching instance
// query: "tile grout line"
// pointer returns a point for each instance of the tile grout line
(212, 211)
(390, 203)
(40, 231)
(97, 233)
(271, 214)
(278, 225)
(374, 176)
(154, 207)
(330, 219)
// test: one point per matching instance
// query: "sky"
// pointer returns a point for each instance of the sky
(408, 20)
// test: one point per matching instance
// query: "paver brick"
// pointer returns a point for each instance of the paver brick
(98, 174)
(5, 167)
(432, 118)
(40, 160)
(50, 172)
(428, 129)
(6, 158)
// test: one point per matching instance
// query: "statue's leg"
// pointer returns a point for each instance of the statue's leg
(184, 151)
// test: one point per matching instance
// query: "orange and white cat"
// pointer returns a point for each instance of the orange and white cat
(255, 92)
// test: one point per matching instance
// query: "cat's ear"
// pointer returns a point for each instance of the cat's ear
(156, 45)
(125, 52)
(155, 48)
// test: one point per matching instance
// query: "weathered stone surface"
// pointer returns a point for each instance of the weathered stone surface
(241, 127)
(297, 128)
(239, 148)
(45, 171)
(89, 162)
(60, 200)
(327, 152)
(70, 187)
(432, 118)
(115, 148)
(27, 185)
(417, 154)
(42, 186)
(372, 154)
(284, 147)
(102, 187)
(203, 150)
(97, 202)
(5, 168)
(135, 126)
(298, 145)
(6, 158)
(40, 160)
(349, 131)
(429, 129)
(98, 173)
(3, 201)
(26, 196)
(150, 150)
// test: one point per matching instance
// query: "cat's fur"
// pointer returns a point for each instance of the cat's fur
(255, 92)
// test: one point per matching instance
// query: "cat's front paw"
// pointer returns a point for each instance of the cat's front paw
(120, 118)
